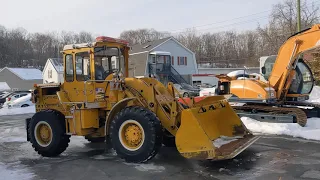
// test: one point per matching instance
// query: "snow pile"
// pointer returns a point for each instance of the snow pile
(311, 131)
(14, 111)
(224, 140)
(315, 94)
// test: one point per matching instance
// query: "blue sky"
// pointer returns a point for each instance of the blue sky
(106, 17)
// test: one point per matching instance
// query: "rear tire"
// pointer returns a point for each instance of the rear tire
(136, 134)
(47, 133)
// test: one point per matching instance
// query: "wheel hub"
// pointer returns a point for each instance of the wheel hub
(43, 134)
(131, 135)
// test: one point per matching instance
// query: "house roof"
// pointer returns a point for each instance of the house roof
(26, 73)
(57, 64)
(4, 86)
(147, 46)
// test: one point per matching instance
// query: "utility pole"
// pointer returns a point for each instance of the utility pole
(298, 16)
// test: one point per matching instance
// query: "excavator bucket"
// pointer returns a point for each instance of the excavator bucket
(210, 129)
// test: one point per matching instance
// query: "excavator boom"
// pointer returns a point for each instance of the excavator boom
(288, 56)
(286, 81)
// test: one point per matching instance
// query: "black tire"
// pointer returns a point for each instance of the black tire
(152, 134)
(60, 140)
(185, 94)
(95, 139)
(25, 105)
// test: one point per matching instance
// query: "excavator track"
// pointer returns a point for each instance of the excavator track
(310, 108)
(265, 112)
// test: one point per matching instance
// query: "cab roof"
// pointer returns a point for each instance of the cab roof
(92, 44)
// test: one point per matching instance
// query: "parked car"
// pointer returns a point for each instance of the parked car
(206, 85)
(23, 101)
(3, 97)
(187, 90)
(13, 97)
(207, 92)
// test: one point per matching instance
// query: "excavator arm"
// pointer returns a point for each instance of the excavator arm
(284, 67)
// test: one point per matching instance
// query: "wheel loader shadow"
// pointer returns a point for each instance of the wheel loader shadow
(247, 160)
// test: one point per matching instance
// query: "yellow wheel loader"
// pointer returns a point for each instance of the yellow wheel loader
(280, 93)
(98, 101)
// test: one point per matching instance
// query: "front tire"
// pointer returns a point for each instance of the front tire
(47, 133)
(136, 134)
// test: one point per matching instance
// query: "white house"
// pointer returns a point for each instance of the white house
(53, 71)
(166, 57)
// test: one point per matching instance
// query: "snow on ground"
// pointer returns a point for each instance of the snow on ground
(14, 111)
(311, 131)
(12, 172)
(315, 94)
(147, 167)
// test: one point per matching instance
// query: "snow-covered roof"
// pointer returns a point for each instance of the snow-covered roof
(160, 53)
(26, 73)
(57, 64)
(4, 86)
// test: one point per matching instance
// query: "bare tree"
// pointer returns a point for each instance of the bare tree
(141, 36)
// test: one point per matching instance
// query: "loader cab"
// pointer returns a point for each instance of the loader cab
(89, 67)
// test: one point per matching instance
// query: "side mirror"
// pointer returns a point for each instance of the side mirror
(263, 70)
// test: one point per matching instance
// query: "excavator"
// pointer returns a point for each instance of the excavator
(134, 116)
(280, 94)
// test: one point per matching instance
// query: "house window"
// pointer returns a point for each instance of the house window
(182, 60)
(49, 73)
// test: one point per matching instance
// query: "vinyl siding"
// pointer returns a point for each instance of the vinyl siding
(176, 51)
(15, 82)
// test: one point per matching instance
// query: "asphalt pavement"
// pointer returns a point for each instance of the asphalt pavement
(271, 157)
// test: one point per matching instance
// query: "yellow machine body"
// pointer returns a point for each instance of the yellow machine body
(89, 105)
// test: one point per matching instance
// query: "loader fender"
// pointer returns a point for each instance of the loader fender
(115, 109)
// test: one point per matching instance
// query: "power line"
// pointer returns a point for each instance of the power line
(236, 23)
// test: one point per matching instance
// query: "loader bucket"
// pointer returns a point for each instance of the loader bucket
(212, 130)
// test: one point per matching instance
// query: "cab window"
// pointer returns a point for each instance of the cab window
(69, 68)
(82, 66)
(107, 60)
